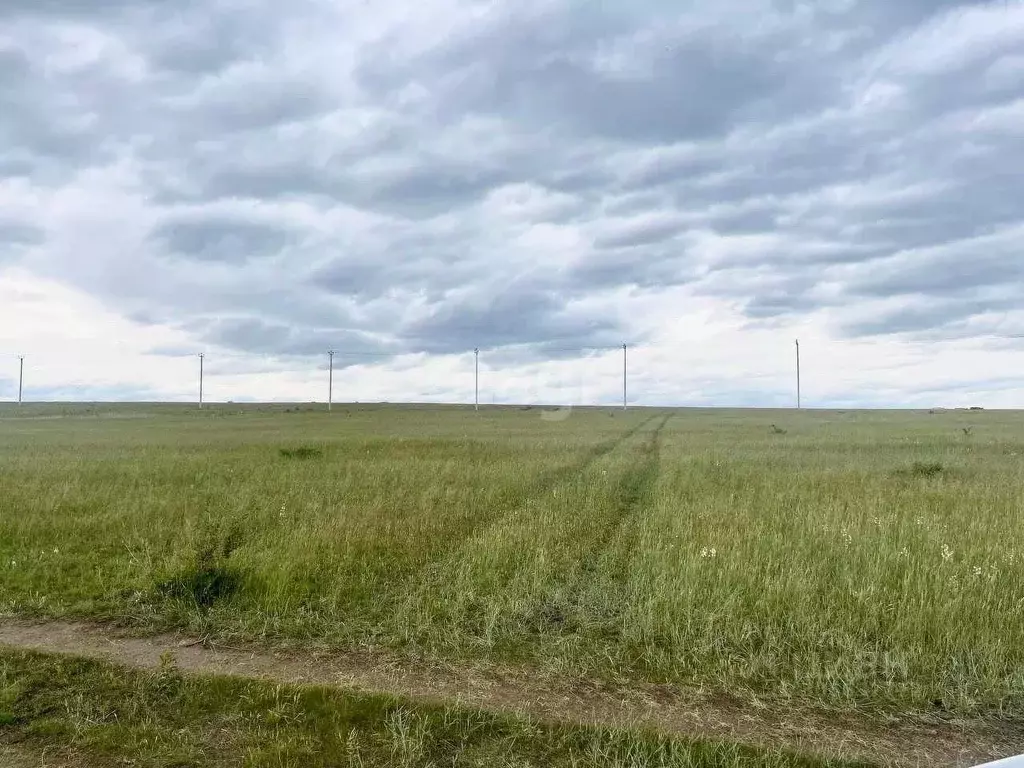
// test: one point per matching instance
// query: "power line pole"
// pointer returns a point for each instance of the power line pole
(798, 374)
(21, 376)
(623, 377)
(330, 379)
(201, 358)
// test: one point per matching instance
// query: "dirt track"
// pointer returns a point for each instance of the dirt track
(23, 757)
(508, 690)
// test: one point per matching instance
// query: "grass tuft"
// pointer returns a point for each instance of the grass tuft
(209, 578)
(303, 452)
(923, 469)
(203, 585)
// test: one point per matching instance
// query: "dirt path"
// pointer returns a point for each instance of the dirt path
(23, 757)
(689, 714)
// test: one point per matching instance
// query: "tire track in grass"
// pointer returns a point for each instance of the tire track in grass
(391, 585)
(623, 542)
(637, 486)
(538, 488)
(565, 613)
(557, 476)
(379, 591)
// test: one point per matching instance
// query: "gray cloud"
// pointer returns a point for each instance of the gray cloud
(222, 239)
(64, 9)
(643, 266)
(36, 124)
(264, 103)
(523, 312)
(956, 268)
(369, 279)
(434, 188)
(929, 315)
(773, 303)
(490, 179)
(418, 188)
(194, 38)
(639, 234)
(540, 69)
(277, 339)
(16, 235)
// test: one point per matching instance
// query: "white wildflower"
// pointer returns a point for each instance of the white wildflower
(977, 571)
(708, 552)
(947, 553)
(904, 553)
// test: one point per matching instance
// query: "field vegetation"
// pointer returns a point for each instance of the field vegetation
(105, 715)
(860, 561)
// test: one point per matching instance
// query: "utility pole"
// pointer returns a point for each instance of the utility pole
(476, 379)
(330, 379)
(798, 374)
(623, 377)
(21, 376)
(201, 358)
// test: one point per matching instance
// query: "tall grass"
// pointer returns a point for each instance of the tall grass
(857, 560)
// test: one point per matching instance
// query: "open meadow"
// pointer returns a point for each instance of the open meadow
(858, 563)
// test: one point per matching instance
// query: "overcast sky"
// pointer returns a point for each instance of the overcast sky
(542, 179)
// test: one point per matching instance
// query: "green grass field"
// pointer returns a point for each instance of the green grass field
(868, 561)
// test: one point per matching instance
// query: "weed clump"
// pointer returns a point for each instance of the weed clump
(209, 578)
(303, 452)
(168, 684)
(923, 469)
(204, 584)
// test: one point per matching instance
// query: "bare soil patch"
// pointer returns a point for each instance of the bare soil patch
(19, 756)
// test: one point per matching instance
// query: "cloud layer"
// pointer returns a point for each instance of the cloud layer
(535, 179)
